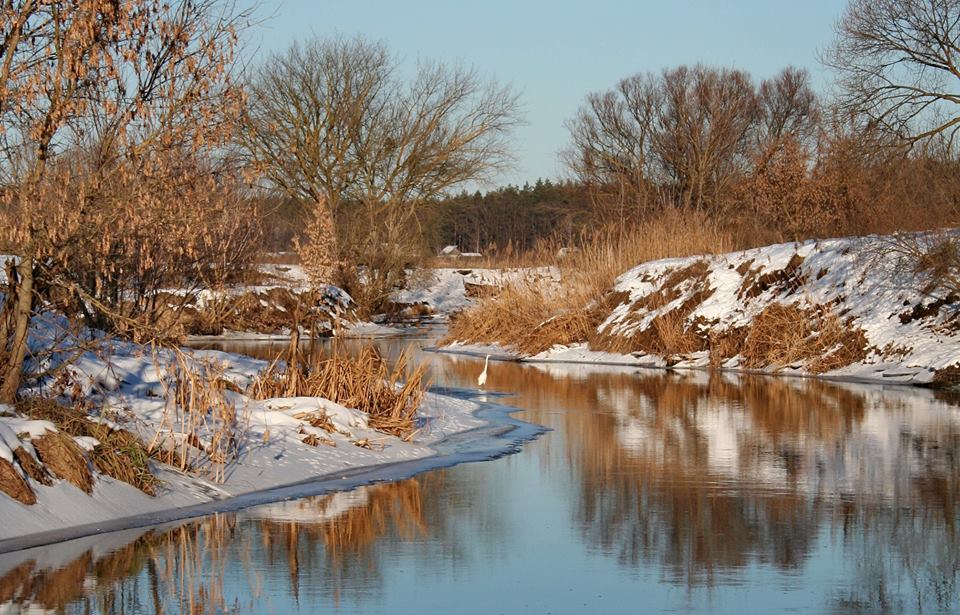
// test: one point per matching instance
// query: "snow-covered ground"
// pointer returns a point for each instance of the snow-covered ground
(445, 291)
(131, 386)
(910, 332)
(434, 292)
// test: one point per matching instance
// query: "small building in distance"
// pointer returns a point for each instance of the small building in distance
(454, 253)
(449, 252)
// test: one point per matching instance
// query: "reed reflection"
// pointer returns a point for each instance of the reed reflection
(323, 549)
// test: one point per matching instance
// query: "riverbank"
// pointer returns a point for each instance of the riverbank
(278, 447)
(846, 309)
(786, 482)
(283, 298)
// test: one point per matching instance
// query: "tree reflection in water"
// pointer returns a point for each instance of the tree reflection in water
(704, 475)
(701, 479)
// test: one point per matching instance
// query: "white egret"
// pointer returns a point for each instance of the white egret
(482, 380)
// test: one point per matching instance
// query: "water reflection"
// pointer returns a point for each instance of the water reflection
(321, 549)
(693, 490)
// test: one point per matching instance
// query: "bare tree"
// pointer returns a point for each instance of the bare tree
(332, 124)
(788, 108)
(98, 97)
(679, 136)
(899, 65)
(611, 138)
(704, 128)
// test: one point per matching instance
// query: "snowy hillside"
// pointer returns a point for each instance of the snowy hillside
(852, 308)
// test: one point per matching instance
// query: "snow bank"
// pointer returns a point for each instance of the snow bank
(445, 291)
(129, 385)
(907, 332)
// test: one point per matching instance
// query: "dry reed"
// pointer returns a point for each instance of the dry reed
(812, 337)
(120, 454)
(206, 423)
(389, 397)
(536, 316)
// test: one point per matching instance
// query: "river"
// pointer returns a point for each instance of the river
(651, 492)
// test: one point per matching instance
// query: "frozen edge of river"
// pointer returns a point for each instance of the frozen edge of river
(577, 355)
(500, 435)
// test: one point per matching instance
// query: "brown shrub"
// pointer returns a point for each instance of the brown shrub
(785, 196)
(14, 485)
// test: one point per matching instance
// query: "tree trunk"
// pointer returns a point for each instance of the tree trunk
(13, 370)
(320, 254)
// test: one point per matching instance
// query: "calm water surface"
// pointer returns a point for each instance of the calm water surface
(653, 492)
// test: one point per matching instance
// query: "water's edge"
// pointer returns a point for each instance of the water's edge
(502, 435)
(883, 382)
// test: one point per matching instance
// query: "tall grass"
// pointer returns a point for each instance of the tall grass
(535, 316)
(120, 454)
(201, 424)
(813, 336)
(389, 397)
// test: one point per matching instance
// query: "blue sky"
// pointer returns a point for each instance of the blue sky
(554, 53)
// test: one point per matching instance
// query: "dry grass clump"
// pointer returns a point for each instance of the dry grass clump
(121, 454)
(31, 467)
(535, 316)
(668, 334)
(14, 485)
(725, 345)
(313, 439)
(527, 315)
(58, 452)
(567, 328)
(389, 397)
(815, 337)
(318, 420)
(674, 335)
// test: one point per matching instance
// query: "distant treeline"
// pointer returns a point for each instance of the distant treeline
(509, 219)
